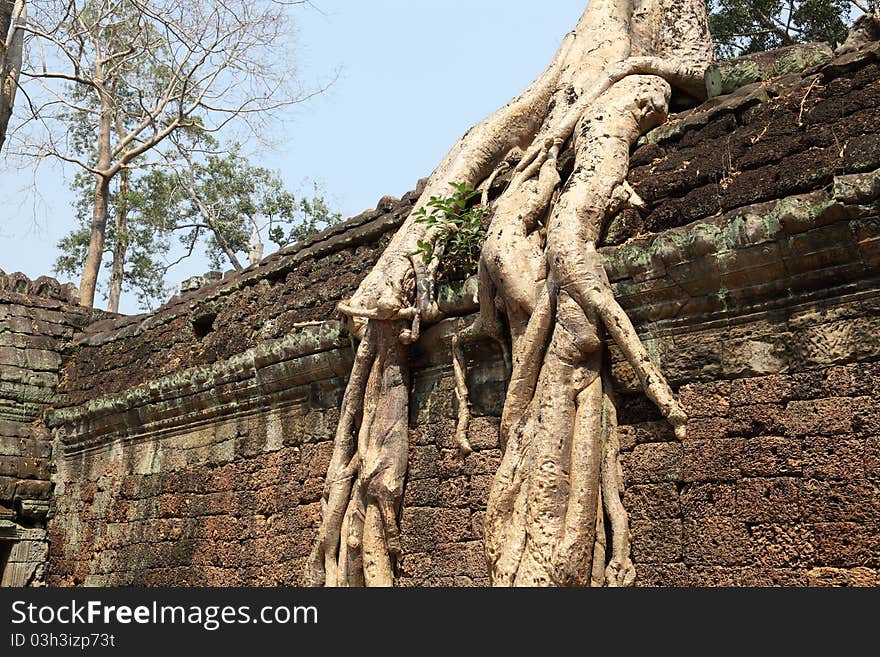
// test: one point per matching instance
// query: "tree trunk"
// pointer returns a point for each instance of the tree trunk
(12, 13)
(558, 484)
(7, 7)
(92, 265)
(255, 247)
(120, 246)
(230, 253)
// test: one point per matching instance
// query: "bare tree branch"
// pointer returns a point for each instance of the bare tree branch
(133, 72)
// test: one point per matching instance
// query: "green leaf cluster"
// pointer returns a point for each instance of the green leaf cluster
(741, 27)
(460, 230)
(166, 222)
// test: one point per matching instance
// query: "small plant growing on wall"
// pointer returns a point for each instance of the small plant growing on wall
(461, 231)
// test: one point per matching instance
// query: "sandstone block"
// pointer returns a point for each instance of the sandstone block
(768, 500)
(717, 541)
(701, 500)
(653, 463)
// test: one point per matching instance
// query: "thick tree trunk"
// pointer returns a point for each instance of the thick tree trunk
(92, 265)
(120, 245)
(12, 13)
(558, 480)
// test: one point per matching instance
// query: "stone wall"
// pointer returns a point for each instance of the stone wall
(36, 319)
(191, 443)
(778, 483)
(236, 502)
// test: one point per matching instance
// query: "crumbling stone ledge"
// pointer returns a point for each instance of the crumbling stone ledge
(364, 228)
(201, 393)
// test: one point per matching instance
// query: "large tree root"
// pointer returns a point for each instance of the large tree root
(359, 538)
(472, 331)
(556, 493)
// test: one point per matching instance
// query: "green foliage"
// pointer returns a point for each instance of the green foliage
(147, 240)
(217, 201)
(460, 230)
(741, 27)
(135, 90)
(304, 217)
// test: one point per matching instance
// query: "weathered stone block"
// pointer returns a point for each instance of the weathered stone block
(833, 458)
(755, 356)
(718, 541)
(422, 492)
(645, 432)
(11, 446)
(306, 516)
(655, 575)
(768, 456)
(706, 400)
(756, 420)
(466, 559)
(839, 501)
(484, 432)
(745, 576)
(483, 462)
(808, 385)
(657, 540)
(773, 389)
(866, 416)
(783, 545)
(423, 529)
(479, 491)
(653, 463)
(450, 493)
(824, 417)
(647, 501)
(707, 428)
(24, 467)
(320, 459)
(415, 565)
(841, 381)
(768, 500)
(423, 462)
(439, 434)
(712, 460)
(846, 544)
(33, 490)
(703, 500)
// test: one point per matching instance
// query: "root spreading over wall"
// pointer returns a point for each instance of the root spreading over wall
(542, 290)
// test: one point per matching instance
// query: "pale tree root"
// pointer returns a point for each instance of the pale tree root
(320, 567)
(364, 512)
(542, 516)
(620, 570)
(559, 477)
(470, 331)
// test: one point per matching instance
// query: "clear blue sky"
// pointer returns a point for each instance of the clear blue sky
(413, 76)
